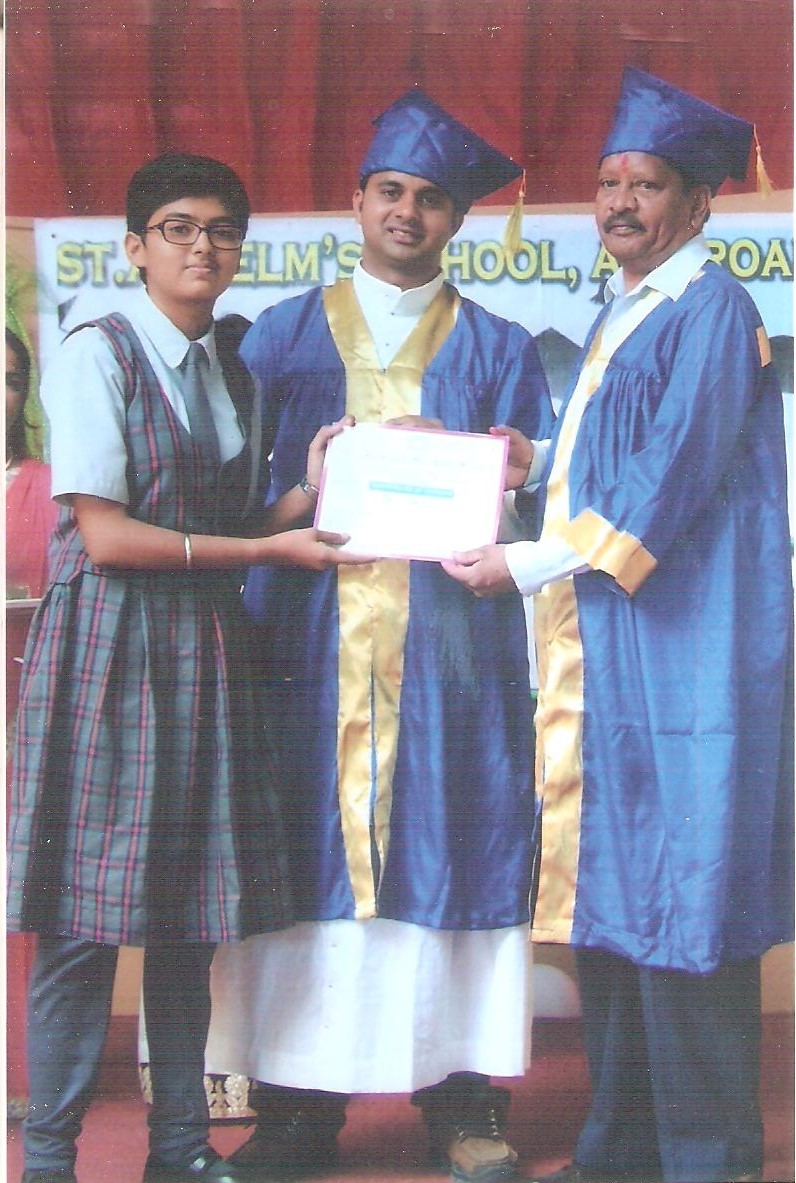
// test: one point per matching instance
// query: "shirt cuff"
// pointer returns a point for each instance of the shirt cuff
(540, 450)
(533, 564)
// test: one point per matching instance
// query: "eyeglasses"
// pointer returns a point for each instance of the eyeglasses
(223, 236)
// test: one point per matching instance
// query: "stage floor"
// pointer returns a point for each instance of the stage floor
(384, 1140)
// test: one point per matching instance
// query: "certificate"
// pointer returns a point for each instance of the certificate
(412, 493)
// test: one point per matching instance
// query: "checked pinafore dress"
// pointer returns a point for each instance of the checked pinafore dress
(142, 799)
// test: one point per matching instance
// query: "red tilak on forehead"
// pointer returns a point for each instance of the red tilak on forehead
(623, 163)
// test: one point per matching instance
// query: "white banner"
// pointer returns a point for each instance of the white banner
(552, 287)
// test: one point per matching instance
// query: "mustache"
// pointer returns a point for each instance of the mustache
(622, 220)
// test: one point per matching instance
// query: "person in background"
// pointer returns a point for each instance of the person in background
(143, 811)
(663, 607)
(401, 711)
(30, 510)
(30, 517)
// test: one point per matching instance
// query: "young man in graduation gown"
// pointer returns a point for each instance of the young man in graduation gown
(663, 610)
(400, 707)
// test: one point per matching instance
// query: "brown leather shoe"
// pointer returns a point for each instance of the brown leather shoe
(481, 1160)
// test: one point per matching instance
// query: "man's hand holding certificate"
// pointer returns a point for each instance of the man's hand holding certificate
(411, 493)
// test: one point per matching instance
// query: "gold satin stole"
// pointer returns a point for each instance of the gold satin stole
(373, 599)
(559, 712)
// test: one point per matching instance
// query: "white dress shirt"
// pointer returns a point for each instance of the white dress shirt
(83, 394)
(533, 564)
(390, 312)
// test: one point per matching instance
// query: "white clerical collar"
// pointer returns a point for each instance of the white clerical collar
(671, 277)
(391, 299)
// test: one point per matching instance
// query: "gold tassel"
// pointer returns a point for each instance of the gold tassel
(512, 234)
(764, 186)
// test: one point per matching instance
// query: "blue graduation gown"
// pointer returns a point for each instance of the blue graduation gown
(457, 818)
(679, 849)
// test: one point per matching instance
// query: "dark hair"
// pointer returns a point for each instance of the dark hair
(16, 444)
(177, 174)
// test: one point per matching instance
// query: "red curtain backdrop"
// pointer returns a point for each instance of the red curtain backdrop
(284, 90)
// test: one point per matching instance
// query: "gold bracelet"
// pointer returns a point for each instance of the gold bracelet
(186, 541)
(307, 487)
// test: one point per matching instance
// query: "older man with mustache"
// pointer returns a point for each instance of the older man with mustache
(663, 610)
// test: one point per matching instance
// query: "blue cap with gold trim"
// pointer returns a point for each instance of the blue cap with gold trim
(416, 136)
(701, 140)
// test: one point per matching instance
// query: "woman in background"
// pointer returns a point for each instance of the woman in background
(30, 512)
(30, 518)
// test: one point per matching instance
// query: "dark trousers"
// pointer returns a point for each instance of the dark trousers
(268, 1099)
(69, 1006)
(674, 1062)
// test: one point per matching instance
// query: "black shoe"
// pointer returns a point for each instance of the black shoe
(207, 1166)
(298, 1145)
(53, 1175)
(296, 1133)
(466, 1131)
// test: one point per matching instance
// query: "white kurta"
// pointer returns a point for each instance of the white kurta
(374, 1006)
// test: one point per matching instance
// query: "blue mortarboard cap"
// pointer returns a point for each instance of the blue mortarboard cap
(652, 116)
(416, 136)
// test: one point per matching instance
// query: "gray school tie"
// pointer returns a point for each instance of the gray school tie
(197, 403)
